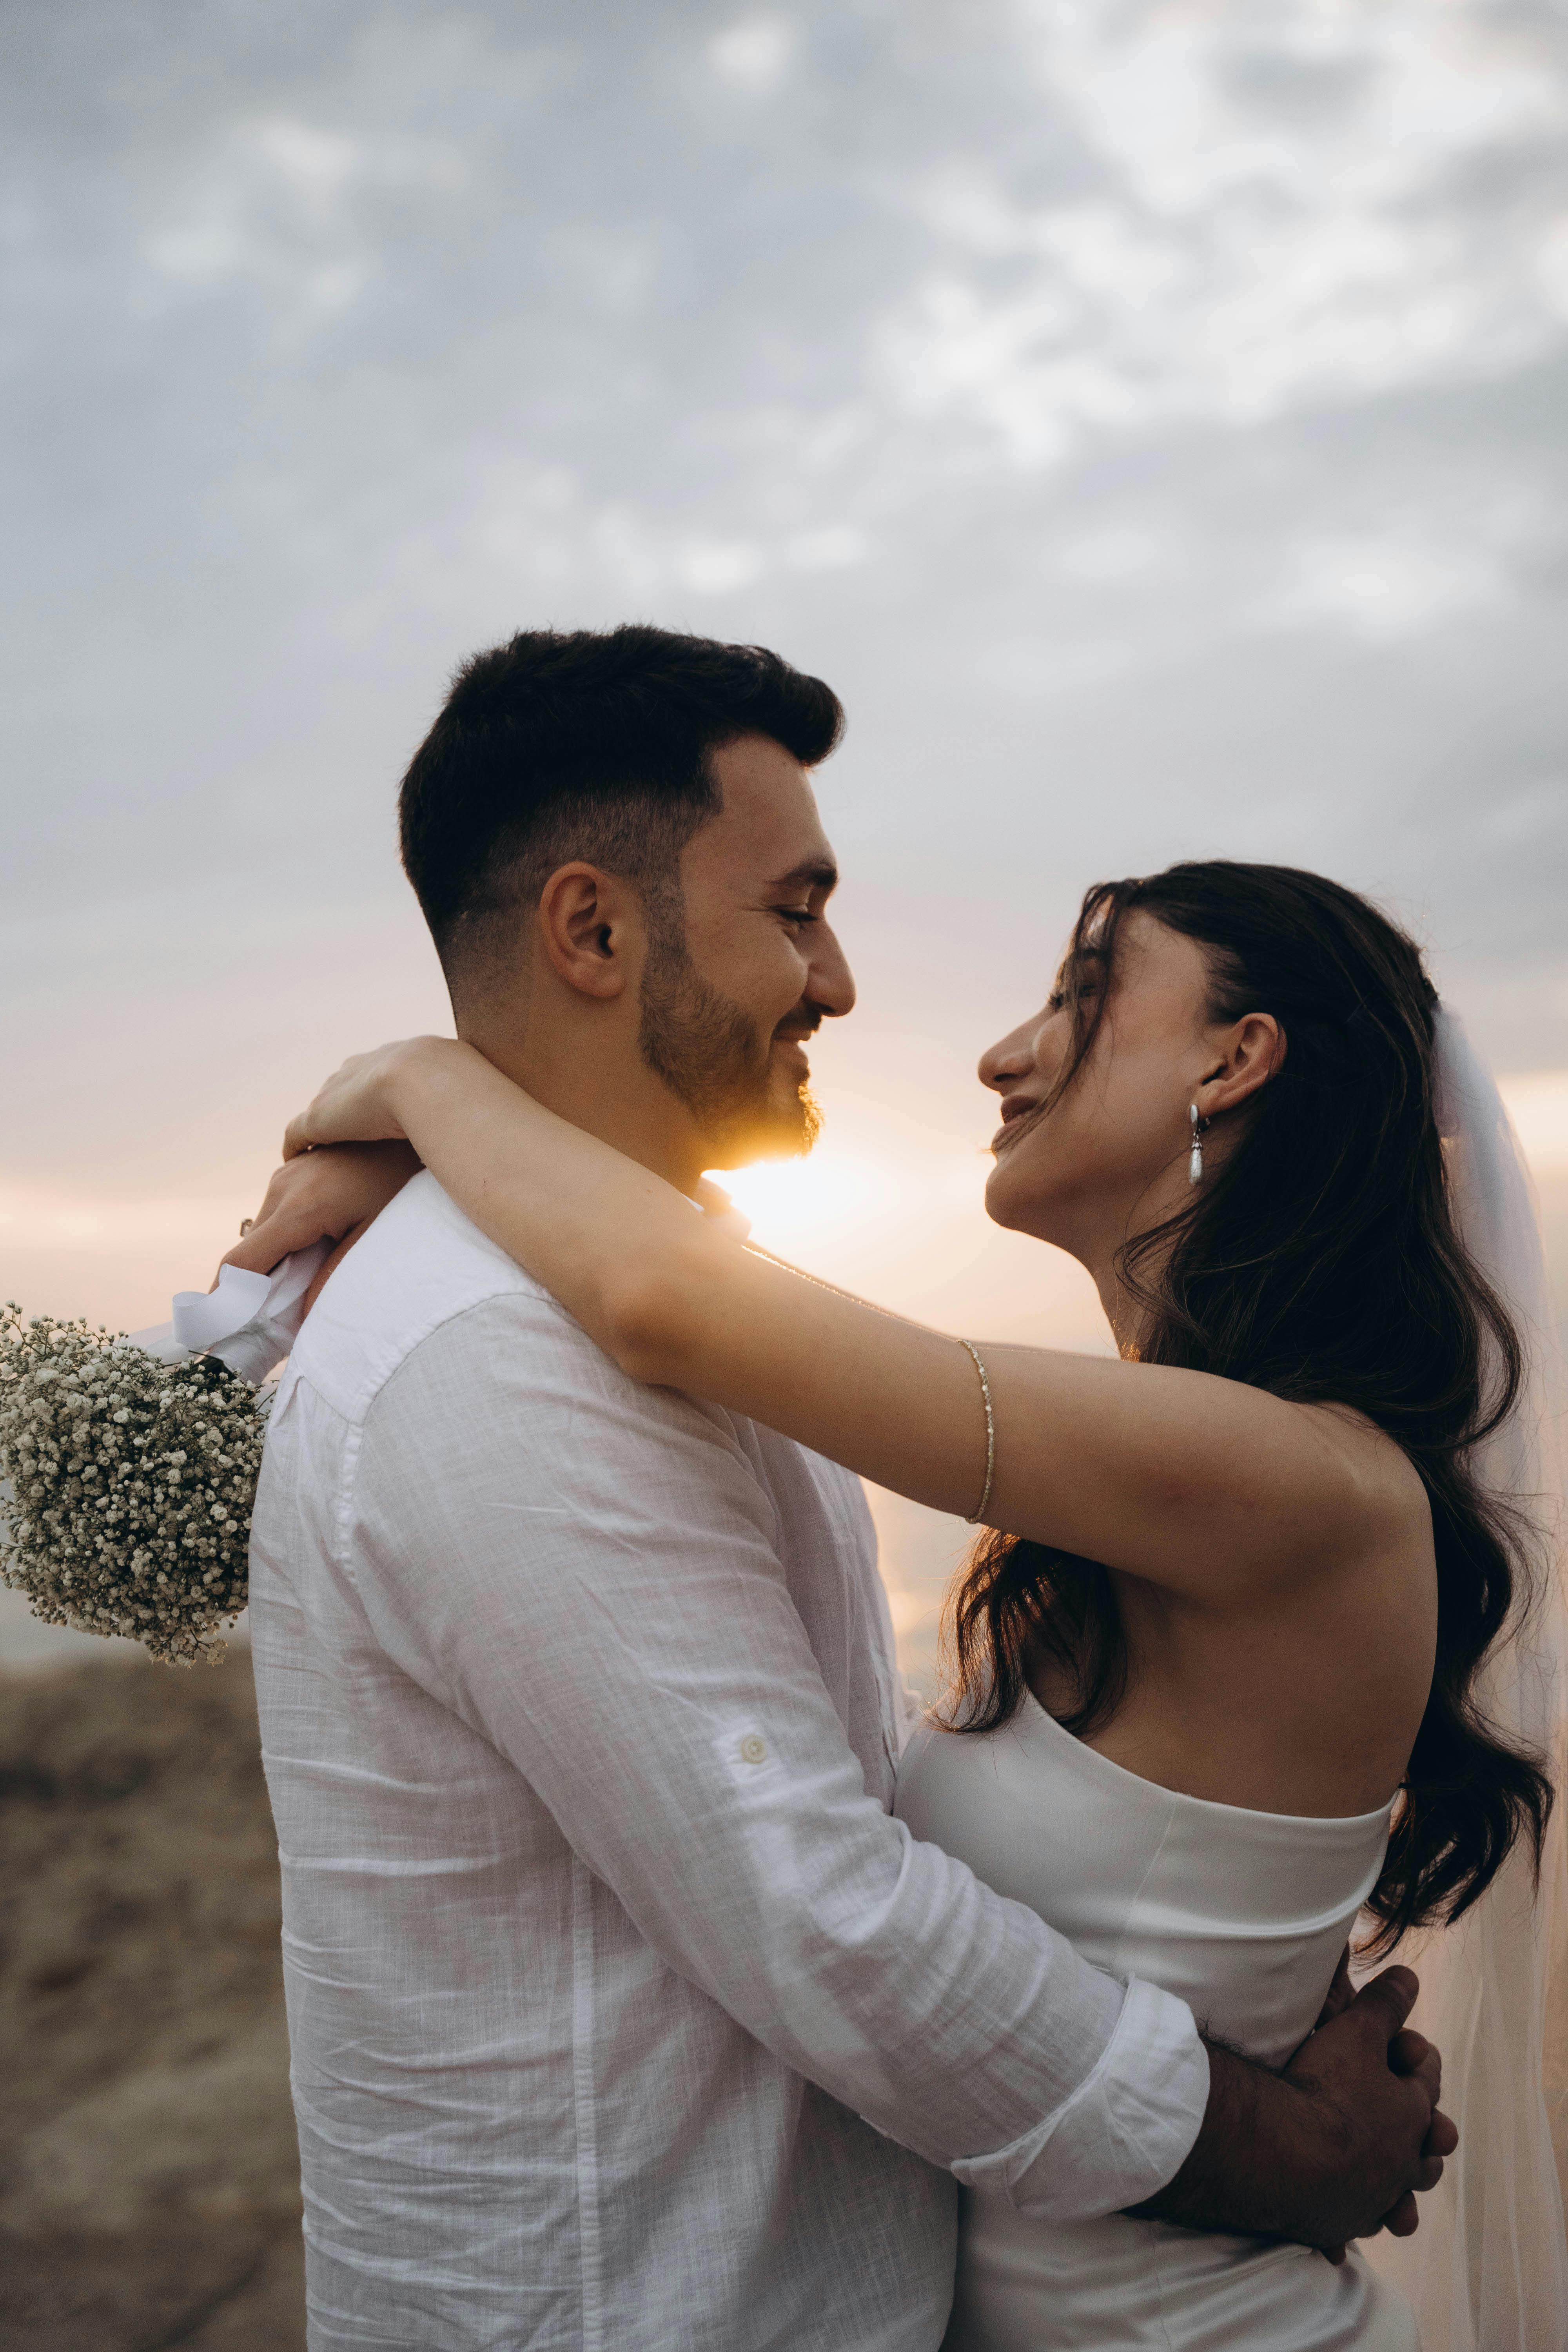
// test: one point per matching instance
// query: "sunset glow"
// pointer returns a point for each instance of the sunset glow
(783, 1197)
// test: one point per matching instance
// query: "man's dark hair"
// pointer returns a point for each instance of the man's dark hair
(585, 744)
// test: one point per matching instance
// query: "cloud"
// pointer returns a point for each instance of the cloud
(287, 206)
(1393, 579)
(1150, 418)
(753, 54)
(1319, 207)
(716, 566)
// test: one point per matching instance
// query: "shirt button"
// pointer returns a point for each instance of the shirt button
(754, 1749)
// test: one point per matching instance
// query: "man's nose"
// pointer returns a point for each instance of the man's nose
(830, 983)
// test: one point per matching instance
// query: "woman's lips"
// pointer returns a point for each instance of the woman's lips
(1014, 1108)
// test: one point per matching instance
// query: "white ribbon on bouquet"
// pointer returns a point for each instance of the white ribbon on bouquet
(249, 1321)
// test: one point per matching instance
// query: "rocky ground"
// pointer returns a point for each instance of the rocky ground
(149, 2190)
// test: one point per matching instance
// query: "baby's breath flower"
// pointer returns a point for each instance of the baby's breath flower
(130, 1485)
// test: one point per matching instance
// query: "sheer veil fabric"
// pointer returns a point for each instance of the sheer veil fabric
(1488, 2271)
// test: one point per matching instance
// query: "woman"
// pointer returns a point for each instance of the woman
(1216, 1658)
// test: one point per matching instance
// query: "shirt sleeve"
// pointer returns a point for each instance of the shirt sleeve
(585, 1570)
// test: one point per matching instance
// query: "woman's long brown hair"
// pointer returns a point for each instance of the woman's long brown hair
(1319, 1261)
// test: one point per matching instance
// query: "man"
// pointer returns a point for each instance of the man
(607, 2030)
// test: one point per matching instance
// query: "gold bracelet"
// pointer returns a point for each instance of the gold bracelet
(977, 1517)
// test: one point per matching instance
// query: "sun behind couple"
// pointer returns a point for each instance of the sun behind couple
(577, 1693)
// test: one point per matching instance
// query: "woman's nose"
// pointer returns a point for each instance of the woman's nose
(1010, 1058)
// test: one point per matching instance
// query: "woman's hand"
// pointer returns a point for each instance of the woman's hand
(324, 1196)
(358, 1102)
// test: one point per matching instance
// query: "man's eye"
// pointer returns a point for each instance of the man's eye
(800, 915)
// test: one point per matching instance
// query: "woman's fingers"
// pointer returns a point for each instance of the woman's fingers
(289, 1219)
(347, 1110)
(354, 1105)
(321, 1197)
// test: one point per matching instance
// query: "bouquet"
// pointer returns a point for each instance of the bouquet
(129, 1462)
(130, 1485)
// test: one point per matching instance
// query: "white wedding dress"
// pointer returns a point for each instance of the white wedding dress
(1244, 1916)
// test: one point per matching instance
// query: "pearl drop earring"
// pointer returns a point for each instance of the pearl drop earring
(1196, 1159)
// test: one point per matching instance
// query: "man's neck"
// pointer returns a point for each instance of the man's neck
(630, 1109)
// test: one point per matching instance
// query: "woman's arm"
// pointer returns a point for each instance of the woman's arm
(1203, 1484)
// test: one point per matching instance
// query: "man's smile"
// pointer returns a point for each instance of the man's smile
(790, 1034)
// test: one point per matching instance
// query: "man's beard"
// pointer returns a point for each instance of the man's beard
(715, 1061)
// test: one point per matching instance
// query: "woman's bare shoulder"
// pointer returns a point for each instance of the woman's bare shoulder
(1385, 1482)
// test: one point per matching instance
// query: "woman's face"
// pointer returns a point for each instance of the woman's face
(1110, 1158)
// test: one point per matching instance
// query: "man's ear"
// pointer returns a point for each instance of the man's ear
(592, 927)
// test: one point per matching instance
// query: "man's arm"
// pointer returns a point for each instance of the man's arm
(1322, 2150)
(585, 1570)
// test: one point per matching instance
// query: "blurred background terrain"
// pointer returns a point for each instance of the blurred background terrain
(1148, 413)
(149, 2192)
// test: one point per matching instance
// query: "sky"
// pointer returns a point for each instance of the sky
(1150, 418)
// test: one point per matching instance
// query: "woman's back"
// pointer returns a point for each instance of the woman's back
(1244, 1914)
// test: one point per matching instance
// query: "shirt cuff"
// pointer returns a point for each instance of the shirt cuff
(1125, 2131)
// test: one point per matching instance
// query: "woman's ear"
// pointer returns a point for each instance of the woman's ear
(591, 927)
(1252, 1050)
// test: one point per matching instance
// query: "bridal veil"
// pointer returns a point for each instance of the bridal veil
(1488, 2270)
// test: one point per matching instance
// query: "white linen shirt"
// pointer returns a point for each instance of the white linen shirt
(624, 2015)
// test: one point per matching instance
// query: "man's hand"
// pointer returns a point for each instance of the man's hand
(1336, 2147)
(1340, 1994)
(330, 1196)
